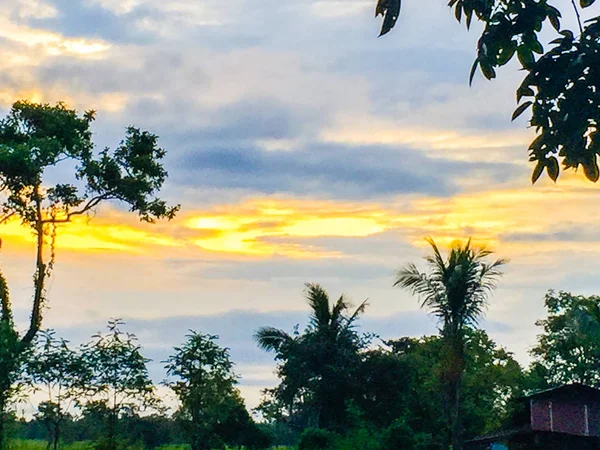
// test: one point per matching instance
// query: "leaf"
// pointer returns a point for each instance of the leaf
(590, 169)
(537, 47)
(392, 11)
(473, 70)
(458, 12)
(521, 109)
(525, 56)
(537, 171)
(586, 3)
(554, 21)
(381, 7)
(469, 19)
(507, 54)
(552, 168)
(524, 91)
(488, 71)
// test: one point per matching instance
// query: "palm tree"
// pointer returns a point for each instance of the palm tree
(317, 362)
(455, 290)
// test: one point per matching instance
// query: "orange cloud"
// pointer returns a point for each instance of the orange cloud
(262, 228)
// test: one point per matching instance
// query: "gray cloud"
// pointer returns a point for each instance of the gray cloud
(571, 234)
(333, 171)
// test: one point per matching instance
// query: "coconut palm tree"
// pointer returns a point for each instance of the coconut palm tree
(317, 364)
(455, 290)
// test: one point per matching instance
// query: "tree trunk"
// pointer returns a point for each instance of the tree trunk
(56, 435)
(454, 369)
(111, 430)
(455, 429)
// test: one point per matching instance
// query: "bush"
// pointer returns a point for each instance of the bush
(400, 436)
(359, 439)
(317, 439)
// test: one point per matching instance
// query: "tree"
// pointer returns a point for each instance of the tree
(211, 408)
(492, 378)
(118, 378)
(35, 138)
(317, 367)
(561, 82)
(60, 371)
(568, 349)
(12, 359)
(455, 291)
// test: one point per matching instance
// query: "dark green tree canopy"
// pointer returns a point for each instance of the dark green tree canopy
(568, 349)
(317, 367)
(212, 411)
(561, 81)
(117, 372)
(36, 137)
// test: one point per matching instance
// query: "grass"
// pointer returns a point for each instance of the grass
(22, 444)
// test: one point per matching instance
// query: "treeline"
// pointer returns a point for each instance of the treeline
(102, 392)
(339, 388)
(342, 389)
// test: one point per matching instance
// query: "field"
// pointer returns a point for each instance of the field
(19, 444)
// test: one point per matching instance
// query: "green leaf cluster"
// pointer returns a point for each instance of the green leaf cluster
(561, 82)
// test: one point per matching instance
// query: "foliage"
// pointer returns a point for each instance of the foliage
(212, 411)
(561, 81)
(568, 350)
(35, 139)
(317, 439)
(118, 380)
(60, 371)
(13, 379)
(359, 439)
(316, 367)
(455, 291)
(400, 387)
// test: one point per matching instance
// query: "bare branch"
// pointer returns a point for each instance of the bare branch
(92, 203)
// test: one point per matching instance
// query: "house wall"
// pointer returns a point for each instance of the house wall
(561, 416)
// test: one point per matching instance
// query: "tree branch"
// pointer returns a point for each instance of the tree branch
(92, 203)
(4, 219)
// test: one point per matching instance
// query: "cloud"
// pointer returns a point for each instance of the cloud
(333, 171)
(302, 148)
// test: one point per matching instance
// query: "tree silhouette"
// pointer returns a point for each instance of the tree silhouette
(317, 366)
(454, 290)
(35, 138)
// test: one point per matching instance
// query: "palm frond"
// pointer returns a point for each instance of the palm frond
(455, 289)
(430, 293)
(271, 339)
(360, 310)
(318, 301)
(341, 306)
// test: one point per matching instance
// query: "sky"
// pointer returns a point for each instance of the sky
(301, 148)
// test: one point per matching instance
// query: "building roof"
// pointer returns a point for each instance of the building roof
(572, 390)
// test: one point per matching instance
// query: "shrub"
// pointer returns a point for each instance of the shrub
(359, 439)
(317, 439)
(400, 436)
